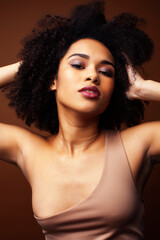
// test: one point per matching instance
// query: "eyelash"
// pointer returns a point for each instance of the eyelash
(77, 66)
(105, 73)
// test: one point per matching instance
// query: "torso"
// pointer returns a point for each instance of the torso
(59, 183)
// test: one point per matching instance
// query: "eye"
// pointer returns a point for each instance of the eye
(107, 73)
(77, 66)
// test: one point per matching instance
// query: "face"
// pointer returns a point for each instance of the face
(85, 79)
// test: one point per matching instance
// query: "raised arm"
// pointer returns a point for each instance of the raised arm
(7, 74)
(146, 135)
(10, 150)
(148, 90)
(9, 135)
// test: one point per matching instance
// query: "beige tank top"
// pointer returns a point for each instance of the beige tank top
(114, 210)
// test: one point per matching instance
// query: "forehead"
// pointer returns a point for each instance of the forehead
(91, 47)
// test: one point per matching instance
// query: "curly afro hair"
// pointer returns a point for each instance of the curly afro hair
(30, 93)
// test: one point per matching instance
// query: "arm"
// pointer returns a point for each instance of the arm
(148, 90)
(17, 145)
(8, 73)
(12, 148)
(142, 145)
(9, 145)
(149, 133)
(9, 135)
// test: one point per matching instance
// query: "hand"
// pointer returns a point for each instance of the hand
(135, 81)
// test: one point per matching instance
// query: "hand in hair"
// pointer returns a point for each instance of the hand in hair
(147, 90)
(136, 81)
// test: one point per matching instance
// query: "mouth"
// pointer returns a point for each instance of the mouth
(90, 92)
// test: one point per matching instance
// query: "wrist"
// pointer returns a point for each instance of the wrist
(135, 90)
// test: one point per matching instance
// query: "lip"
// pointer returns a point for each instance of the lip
(90, 92)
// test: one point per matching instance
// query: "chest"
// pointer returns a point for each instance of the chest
(68, 191)
(57, 187)
(59, 184)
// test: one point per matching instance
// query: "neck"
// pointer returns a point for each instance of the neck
(76, 132)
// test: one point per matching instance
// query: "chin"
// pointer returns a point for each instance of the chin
(92, 111)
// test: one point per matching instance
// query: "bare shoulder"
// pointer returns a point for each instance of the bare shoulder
(24, 148)
(141, 143)
(15, 142)
(143, 127)
(142, 146)
(19, 134)
(145, 138)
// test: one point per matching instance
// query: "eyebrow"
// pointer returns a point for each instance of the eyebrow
(87, 57)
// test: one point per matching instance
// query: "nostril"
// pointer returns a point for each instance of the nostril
(96, 80)
(93, 80)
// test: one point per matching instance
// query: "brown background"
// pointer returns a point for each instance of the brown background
(17, 17)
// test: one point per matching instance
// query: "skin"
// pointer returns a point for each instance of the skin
(64, 169)
(7, 74)
(76, 112)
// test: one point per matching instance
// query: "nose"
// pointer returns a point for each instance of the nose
(95, 81)
(93, 77)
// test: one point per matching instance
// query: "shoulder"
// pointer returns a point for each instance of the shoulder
(25, 138)
(35, 150)
(143, 127)
(13, 140)
(19, 143)
(30, 143)
(142, 146)
(141, 143)
(144, 137)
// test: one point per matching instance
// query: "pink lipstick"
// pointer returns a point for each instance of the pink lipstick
(90, 92)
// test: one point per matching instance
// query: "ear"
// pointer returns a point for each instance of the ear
(53, 86)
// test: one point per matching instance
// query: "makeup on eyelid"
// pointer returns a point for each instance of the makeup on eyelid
(84, 56)
(79, 65)
(107, 72)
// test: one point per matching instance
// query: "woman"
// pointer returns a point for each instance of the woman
(72, 81)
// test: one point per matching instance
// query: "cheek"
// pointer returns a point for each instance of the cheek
(65, 87)
(63, 81)
(66, 76)
(109, 88)
(107, 94)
